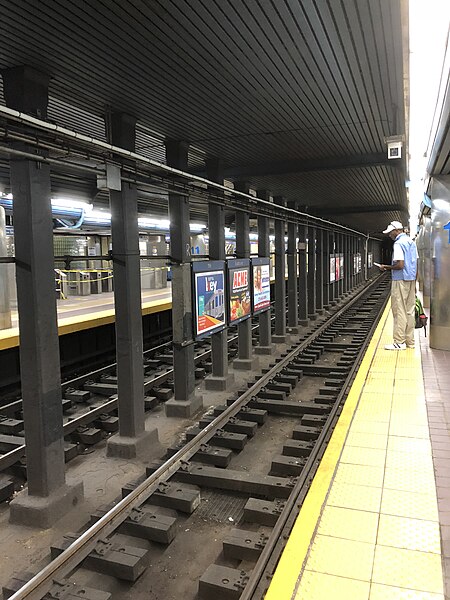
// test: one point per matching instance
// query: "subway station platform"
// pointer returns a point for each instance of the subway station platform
(375, 524)
(78, 313)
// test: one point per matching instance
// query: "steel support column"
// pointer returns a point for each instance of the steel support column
(303, 277)
(312, 314)
(265, 330)
(219, 378)
(47, 497)
(292, 260)
(340, 250)
(319, 272)
(132, 440)
(347, 265)
(245, 360)
(185, 403)
(326, 269)
(333, 286)
(279, 336)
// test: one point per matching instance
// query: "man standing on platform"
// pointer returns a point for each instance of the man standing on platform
(403, 291)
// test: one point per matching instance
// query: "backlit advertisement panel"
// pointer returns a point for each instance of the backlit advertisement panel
(359, 262)
(338, 267)
(209, 297)
(261, 284)
(332, 268)
(341, 266)
(370, 260)
(239, 306)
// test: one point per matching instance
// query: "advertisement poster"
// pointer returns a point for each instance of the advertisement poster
(239, 289)
(332, 268)
(209, 297)
(261, 284)
(359, 263)
(341, 263)
(355, 264)
(370, 260)
(338, 267)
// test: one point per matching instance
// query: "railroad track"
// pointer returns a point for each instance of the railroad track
(210, 519)
(90, 406)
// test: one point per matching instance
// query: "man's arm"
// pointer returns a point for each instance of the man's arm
(397, 266)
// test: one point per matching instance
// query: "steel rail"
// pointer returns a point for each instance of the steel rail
(278, 536)
(68, 560)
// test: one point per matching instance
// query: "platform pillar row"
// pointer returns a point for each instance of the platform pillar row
(303, 277)
(339, 250)
(132, 439)
(220, 378)
(48, 496)
(319, 271)
(265, 327)
(185, 402)
(312, 313)
(279, 336)
(292, 260)
(245, 360)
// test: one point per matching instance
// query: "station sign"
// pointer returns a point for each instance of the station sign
(209, 297)
(239, 286)
(332, 268)
(260, 284)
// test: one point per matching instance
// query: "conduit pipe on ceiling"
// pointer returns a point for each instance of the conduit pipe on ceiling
(23, 118)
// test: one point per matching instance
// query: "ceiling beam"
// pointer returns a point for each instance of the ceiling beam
(316, 164)
(349, 210)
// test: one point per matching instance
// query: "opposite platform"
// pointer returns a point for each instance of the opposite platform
(369, 526)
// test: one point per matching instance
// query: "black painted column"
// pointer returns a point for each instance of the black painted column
(245, 360)
(303, 277)
(279, 336)
(292, 260)
(312, 314)
(347, 264)
(319, 271)
(185, 403)
(219, 379)
(265, 329)
(326, 269)
(47, 497)
(339, 250)
(133, 440)
(333, 286)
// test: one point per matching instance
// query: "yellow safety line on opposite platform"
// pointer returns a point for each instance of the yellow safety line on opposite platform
(9, 338)
(289, 568)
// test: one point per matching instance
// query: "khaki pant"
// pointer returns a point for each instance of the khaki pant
(403, 302)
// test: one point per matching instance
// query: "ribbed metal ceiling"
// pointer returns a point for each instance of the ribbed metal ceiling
(256, 82)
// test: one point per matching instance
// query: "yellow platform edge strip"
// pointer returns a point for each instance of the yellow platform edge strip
(283, 584)
(10, 337)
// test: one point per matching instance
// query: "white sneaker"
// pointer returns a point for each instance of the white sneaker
(395, 346)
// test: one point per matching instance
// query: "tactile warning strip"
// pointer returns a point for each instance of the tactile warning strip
(369, 527)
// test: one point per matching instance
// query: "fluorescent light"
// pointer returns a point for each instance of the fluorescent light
(69, 203)
(197, 227)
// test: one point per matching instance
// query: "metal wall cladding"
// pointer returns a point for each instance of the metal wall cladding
(440, 264)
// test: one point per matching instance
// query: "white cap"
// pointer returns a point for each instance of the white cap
(393, 225)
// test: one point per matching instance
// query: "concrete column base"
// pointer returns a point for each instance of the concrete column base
(326, 307)
(303, 322)
(280, 339)
(218, 384)
(246, 364)
(132, 447)
(294, 330)
(333, 302)
(320, 311)
(183, 408)
(313, 317)
(263, 349)
(43, 512)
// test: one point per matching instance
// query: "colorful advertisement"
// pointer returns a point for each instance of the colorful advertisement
(261, 284)
(338, 267)
(341, 264)
(209, 297)
(332, 268)
(239, 289)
